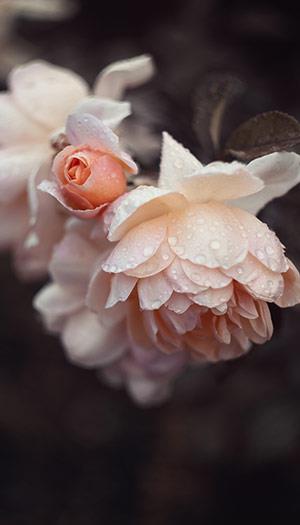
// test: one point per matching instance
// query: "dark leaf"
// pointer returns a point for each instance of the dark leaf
(211, 99)
(263, 134)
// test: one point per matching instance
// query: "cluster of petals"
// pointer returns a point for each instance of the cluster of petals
(184, 272)
(33, 115)
(73, 306)
(201, 266)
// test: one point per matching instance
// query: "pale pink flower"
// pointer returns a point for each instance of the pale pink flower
(159, 305)
(90, 173)
(201, 268)
(93, 336)
(32, 119)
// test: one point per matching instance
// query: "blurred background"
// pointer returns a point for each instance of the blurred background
(226, 447)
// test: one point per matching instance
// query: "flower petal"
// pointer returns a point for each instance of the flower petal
(51, 187)
(16, 127)
(73, 259)
(213, 298)
(89, 344)
(17, 164)
(121, 287)
(14, 221)
(263, 243)
(46, 93)
(208, 234)
(86, 129)
(220, 181)
(124, 74)
(111, 112)
(139, 205)
(179, 280)
(138, 245)
(153, 292)
(206, 277)
(55, 303)
(160, 260)
(280, 171)
(291, 292)
(177, 162)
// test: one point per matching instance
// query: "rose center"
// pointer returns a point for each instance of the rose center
(77, 170)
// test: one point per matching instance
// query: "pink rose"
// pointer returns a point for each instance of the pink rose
(87, 177)
(189, 278)
(91, 173)
(201, 269)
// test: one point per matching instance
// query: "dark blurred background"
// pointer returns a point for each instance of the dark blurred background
(226, 447)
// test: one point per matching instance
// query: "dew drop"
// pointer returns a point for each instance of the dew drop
(172, 241)
(155, 305)
(200, 258)
(269, 250)
(148, 251)
(259, 254)
(180, 250)
(215, 245)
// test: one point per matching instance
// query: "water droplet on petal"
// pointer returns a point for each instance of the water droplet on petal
(200, 258)
(180, 250)
(215, 245)
(259, 254)
(148, 251)
(155, 305)
(172, 241)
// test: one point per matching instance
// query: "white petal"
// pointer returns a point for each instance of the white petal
(90, 344)
(46, 93)
(206, 277)
(263, 243)
(138, 246)
(220, 181)
(15, 126)
(111, 112)
(17, 164)
(83, 128)
(124, 74)
(176, 162)
(73, 259)
(55, 303)
(279, 171)
(121, 287)
(291, 292)
(160, 260)
(14, 222)
(209, 235)
(153, 292)
(97, 294)
(213, 298)
(140, 205)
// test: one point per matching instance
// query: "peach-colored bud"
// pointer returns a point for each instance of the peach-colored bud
(88, 177)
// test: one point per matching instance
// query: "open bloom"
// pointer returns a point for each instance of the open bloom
(189, 279)
(91, 173)
(32, 118)
(91, 335)
(202, 269)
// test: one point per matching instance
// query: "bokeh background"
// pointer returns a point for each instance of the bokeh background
(226, 447)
